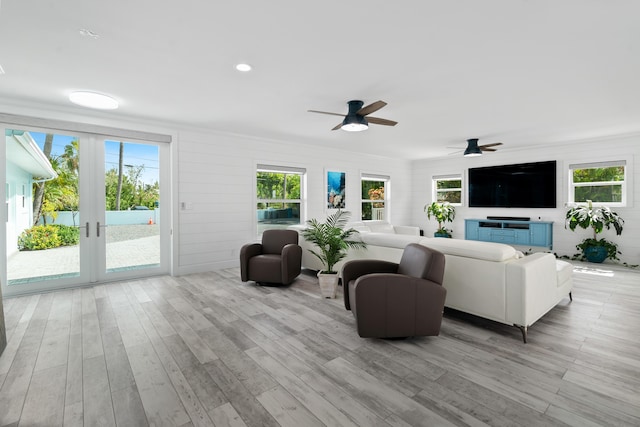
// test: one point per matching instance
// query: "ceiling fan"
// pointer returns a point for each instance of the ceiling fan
(473, 149)
(358, 119)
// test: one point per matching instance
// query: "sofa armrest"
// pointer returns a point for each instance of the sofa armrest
(407, 229)
(291, 262)
(352, 270)
(246, 252)
(531, 288)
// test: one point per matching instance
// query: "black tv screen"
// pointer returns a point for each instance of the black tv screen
(524, 185)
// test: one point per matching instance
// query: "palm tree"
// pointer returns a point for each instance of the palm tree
(38, 196)
(120, 165)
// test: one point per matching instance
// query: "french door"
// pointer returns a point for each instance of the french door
(82, 208)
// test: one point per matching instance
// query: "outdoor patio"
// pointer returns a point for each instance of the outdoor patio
(128, 246)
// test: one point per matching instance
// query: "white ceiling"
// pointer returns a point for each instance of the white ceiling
(518, 71)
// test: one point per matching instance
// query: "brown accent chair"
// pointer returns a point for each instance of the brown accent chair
(277, 260)
(392, 300)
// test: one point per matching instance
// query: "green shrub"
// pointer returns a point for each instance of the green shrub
(69, 235)
(39, 237)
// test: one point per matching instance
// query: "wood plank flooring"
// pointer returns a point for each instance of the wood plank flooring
(209, 350)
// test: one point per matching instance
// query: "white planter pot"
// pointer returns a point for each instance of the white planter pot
(328, 284)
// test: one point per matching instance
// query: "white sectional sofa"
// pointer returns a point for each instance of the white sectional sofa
(490, 280)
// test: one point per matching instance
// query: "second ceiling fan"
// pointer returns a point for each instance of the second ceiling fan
(473, 149)
(358, 119)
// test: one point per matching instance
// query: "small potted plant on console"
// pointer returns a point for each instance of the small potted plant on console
(443, 213)
(332, 241)
(597, 218)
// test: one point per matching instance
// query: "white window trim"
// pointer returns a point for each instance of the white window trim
(448, 177)
(286, 169)
(364, 176)
(626, 190)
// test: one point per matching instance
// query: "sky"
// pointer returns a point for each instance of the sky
(135, 154)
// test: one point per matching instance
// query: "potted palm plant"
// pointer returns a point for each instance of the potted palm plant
(332, 241)
(597, 218)
(443, 213)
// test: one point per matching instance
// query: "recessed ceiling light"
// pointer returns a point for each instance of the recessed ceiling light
(93, 100)
(88, 33)
(243, 67)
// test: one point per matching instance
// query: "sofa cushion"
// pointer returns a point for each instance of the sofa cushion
(470, 248)
(361, 228)
(399, 241)
(380, 227)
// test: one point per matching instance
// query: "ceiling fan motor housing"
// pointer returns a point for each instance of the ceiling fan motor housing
(353, 121)
(472, 148)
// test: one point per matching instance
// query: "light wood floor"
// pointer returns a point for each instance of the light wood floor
(206, 350)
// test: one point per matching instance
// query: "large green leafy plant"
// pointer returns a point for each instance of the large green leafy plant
(332, 239)
(597, 218)
(443, 213)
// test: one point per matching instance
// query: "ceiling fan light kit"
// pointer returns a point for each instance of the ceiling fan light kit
(354, 123)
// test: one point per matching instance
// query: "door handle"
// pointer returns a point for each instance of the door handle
(86, 228)
(98, 226)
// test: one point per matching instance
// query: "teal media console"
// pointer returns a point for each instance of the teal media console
(511, 232)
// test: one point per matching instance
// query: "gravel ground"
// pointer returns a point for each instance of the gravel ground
(119, 233)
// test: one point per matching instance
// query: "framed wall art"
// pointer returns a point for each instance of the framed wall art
(336, 185)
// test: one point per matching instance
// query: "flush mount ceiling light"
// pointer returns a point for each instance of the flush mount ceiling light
(472, 148)
(93, 100)
(243, 67)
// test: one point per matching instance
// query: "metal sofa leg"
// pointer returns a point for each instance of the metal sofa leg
(570, 297)
(523, 329)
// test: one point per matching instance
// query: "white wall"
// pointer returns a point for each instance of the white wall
(216, 184)
(19, 216)
(564, 240)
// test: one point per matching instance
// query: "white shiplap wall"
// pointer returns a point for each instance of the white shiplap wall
(216, 182)
(627, 148)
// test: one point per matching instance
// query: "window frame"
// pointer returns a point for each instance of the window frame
(624, 184)
(449, 177)
(386, 200)
(286, 170)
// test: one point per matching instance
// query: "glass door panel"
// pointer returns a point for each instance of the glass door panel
(43, 224)
(132, 206)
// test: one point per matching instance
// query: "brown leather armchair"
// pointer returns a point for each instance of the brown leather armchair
(277, 260)
(392, 300)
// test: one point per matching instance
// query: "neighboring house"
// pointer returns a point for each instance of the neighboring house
(26, 164)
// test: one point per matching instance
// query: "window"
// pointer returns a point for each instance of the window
(448, 188)
(600, 182)
(279, 196)
(374, 193)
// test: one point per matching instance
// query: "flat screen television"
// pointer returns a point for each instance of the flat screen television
(524, 185)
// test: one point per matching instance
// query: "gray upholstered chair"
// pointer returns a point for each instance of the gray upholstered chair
(392, 300)
(277, 260)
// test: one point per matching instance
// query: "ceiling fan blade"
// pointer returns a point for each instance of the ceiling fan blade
(487, 149)
(325, 112)
(338, 126)
(493, 144)
(379, 121)
(371, 108)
